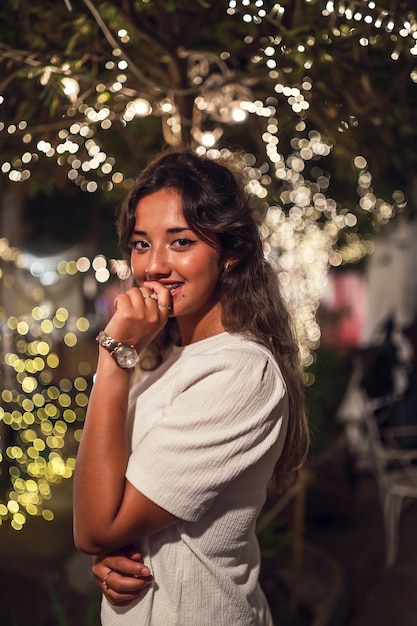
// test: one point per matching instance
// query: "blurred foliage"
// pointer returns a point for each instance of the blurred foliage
(343, 73)
(332, 371)
(354, 63)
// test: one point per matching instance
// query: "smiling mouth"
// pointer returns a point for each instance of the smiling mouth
(173, 287)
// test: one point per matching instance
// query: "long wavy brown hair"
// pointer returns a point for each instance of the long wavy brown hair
(216, 205)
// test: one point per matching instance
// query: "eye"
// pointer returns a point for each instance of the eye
(183, 243)
(139, 245)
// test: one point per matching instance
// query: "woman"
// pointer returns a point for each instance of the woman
(172, 469)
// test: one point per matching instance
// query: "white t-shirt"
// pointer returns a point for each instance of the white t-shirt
(206, 430)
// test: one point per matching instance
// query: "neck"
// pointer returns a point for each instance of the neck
(212, 334)
(208, 326)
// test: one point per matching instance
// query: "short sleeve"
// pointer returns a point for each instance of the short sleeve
(223, 413)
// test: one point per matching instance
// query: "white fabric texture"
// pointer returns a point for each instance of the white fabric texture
(206, 430)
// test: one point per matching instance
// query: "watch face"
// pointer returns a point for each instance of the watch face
(126, 357)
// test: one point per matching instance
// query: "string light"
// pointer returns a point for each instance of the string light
(43, 417)
(224, 101)
(42, 413)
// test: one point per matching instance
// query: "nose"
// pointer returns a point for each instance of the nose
(157, 265)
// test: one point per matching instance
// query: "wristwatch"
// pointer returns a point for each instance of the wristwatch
(124, 355)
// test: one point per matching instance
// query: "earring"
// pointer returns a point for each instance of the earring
(226, 267)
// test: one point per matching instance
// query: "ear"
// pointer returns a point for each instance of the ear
(229, 264)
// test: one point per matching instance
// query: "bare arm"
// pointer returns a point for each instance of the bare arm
(109, 513)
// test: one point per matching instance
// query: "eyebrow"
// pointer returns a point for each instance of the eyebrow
(169, 231)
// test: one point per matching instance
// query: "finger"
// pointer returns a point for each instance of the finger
(135, 296)
(120, 590)
(161, 294)
(141, 303)
(129, 301)
(126, 566)
(130, 584)
(153, 297)
(122, 570)
(122, 598)
(149, 296)
(124, 584)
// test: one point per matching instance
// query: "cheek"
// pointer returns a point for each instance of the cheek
(209, 274)
(137, 266)
(201, 265)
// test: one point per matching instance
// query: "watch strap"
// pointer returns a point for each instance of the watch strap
(116, 348)
(108, 342)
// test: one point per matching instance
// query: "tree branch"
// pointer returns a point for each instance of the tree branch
(116, 44)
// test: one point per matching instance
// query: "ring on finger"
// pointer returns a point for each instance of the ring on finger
(151, 295)
(164, 306)
(104, 581)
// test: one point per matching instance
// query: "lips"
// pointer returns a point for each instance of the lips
(172, 287)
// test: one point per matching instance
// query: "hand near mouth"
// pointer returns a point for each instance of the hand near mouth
(172, 287)
(140, 315)
(159, 292)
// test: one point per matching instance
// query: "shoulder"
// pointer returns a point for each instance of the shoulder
(237, 359)
(231, 346)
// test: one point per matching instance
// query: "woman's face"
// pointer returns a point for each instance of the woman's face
(165, 249)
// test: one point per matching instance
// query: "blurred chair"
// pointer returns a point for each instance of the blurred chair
(394, 466)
